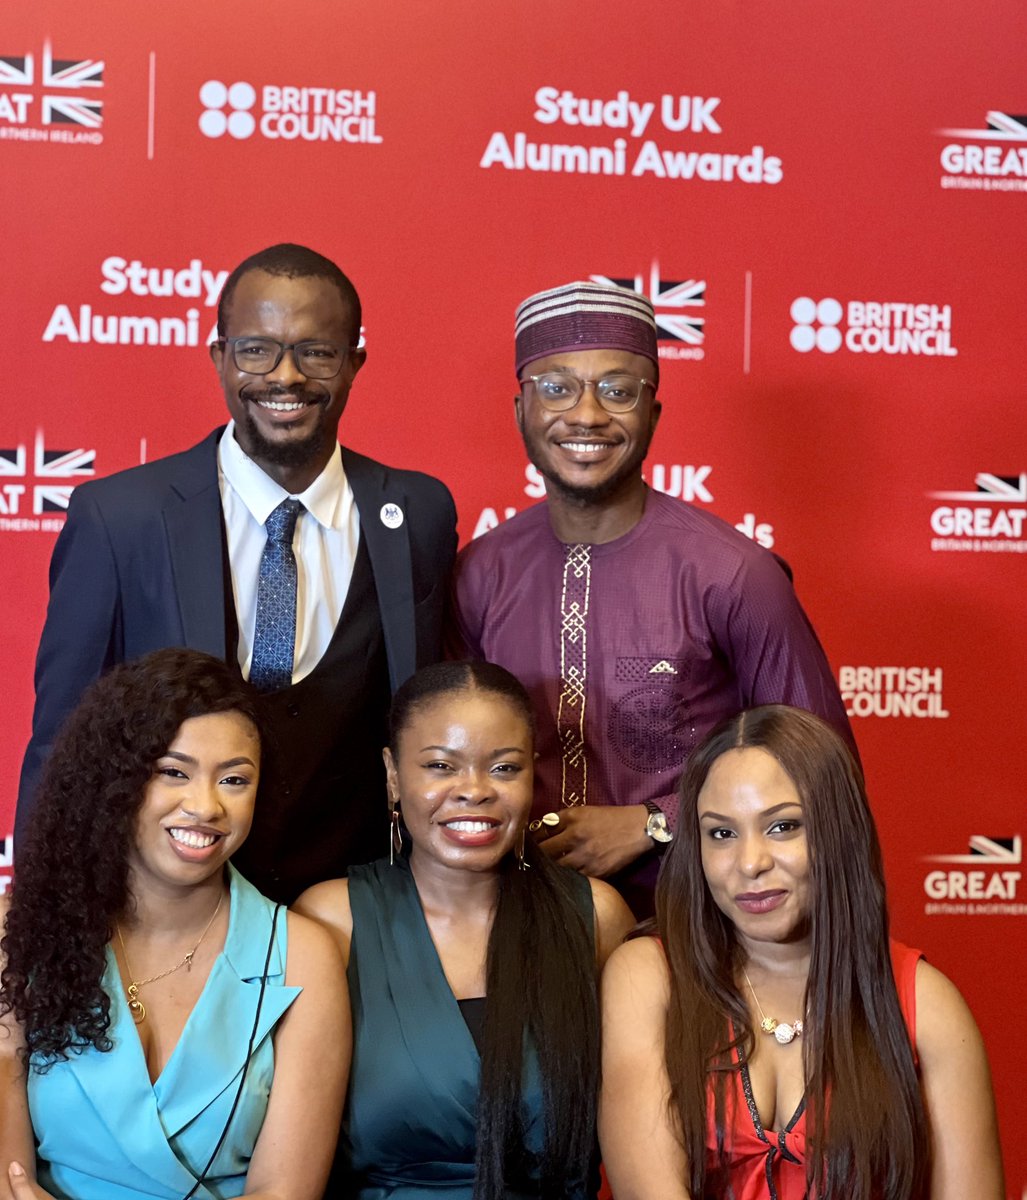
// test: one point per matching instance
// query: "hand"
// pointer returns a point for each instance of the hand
(22, 1188)
(598, 839)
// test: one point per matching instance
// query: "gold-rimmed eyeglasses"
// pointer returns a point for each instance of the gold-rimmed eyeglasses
(560, 391)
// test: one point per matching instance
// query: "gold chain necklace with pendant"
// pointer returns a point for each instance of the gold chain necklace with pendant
(135, 1005)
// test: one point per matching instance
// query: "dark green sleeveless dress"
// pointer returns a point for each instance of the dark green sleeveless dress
(409, 1128)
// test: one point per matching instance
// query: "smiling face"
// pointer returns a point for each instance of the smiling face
(586, 453)
(198, 805)
(463, 779)
(754, 850)
(288, 424)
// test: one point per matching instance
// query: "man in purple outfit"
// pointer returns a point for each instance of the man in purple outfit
(635, 620)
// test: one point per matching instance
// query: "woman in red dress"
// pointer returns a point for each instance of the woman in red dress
(773, 1043)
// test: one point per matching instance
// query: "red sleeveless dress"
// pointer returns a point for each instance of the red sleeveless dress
(765, 1164)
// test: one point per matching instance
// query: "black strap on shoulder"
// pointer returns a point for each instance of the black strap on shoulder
(246, 1065)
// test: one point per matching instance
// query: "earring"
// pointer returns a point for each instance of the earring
(395, 835)
(519, 852)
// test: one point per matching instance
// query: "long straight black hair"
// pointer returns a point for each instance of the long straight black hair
(868, 1135)
(540, 982)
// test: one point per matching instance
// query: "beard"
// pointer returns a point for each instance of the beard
(584, 495)
(288, 452)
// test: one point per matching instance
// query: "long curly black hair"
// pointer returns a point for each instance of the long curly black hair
(71, 875)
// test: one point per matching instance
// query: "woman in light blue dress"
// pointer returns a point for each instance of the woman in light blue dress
(167, 1032)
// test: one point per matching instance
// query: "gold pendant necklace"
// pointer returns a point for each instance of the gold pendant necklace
(783, 1031)
(135, 1005)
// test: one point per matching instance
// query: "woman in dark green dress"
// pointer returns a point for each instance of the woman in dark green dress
(471, 965)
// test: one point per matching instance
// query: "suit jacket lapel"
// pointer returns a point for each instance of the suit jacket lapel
(388, 546)
(192, 518)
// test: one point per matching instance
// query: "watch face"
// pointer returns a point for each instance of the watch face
(656, 827)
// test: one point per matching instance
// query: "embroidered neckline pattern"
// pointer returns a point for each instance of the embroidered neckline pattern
(570, 713)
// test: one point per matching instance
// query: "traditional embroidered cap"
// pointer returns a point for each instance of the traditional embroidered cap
(584, 316)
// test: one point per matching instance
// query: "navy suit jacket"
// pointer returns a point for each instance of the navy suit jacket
(139, 566)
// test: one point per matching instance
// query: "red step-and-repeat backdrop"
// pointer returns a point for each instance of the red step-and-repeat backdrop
(827, 207)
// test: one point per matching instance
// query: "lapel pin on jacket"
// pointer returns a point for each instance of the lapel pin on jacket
(391, 515)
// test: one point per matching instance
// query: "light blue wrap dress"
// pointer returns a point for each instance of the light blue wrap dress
(105, 1132)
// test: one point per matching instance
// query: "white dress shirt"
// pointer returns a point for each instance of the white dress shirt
(325, 545)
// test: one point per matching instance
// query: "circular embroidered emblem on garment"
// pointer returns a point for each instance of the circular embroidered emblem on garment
(648, 730)
(391, 515)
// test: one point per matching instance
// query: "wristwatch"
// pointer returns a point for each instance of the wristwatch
(656, 825)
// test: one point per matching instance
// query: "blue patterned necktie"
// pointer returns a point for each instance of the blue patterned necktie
(274, 635)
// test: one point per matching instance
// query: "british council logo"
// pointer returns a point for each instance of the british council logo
(238, 99)
(816, 325)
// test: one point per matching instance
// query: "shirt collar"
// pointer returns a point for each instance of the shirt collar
(261, 495)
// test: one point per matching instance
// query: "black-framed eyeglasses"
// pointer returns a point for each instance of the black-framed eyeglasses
(560, 391)
(260, 356)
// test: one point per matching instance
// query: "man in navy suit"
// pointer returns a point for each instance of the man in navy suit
(170, 554)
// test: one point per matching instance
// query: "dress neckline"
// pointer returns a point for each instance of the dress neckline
(766, 1135)
(433, 957)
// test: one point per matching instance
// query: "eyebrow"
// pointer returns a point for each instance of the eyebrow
(767, 812)
(230, 762)
(494, 753)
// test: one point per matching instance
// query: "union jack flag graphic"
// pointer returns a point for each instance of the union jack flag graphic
(71, 73)
(985, 849)
(991, 489)
(48, 467)
(1005, 123)
(1001, 127)
(681, 297)
(66, 76)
